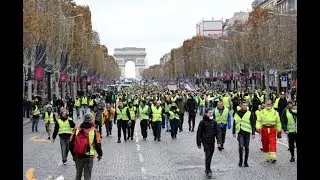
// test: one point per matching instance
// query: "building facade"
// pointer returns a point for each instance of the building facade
(282, 6)
(210, 28)
(238, 16)
(136, 55)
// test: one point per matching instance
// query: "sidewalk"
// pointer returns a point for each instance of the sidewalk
(26, 121)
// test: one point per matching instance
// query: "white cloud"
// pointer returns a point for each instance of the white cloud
(157, 25)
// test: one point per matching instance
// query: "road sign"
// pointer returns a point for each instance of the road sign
(283, 81)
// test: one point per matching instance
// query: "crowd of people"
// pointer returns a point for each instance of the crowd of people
(159, 108)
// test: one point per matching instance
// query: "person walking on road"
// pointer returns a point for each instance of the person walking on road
(206, 135)
(156, 119)
(84, 141)
(35, 115)
(121, 120)
(223, 117)
(144, 112)
(174, 117)
(280, 104)
(98, 115)
(269, 124)
(191, 108)
(49, 119)
(181, 105)
(289, 126)
(133, 112)
(244, 125)
(107, 118)
(77, 106)
(63, 127)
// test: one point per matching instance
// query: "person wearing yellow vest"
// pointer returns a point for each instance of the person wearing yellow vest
(107, 117)
(84, 163)
(244, 126)
(63, 127)
(226, 100)
(167, 106)
(84, 104)
(133, 114)
(77, 104)
(121, 120)
(49, 119)
(269, 124)
(202, 104)
(156, 118)
(280, 104)
(223, 117)
(35, 115)
(289, 126)
(91, 103)
(174, 118)
(144, 111)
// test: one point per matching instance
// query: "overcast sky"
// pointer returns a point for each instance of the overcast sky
(157, 25)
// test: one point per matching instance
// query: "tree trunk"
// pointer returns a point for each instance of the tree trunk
(56, 83)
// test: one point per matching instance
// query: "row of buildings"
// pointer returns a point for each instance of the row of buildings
(217, 28)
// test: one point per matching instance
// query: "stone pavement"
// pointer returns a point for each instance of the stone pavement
(167, 159)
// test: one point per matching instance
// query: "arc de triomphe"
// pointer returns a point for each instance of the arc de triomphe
(136, 55)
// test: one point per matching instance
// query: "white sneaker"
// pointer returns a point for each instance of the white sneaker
(65, 163)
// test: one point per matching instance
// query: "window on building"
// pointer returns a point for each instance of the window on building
(291, 4)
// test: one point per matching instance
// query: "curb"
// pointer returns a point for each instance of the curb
(25, 122)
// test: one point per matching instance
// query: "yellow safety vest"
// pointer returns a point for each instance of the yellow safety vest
(36, 110)
(173, 99)
(84, 101)
(269, 117)
(48, 118)
(136, 102)
(261, 98)
(77, 103)
(91, 102)
(243, 123)
(91, 152)
(167, 107)
(221, 118)
(132, 113)
(64, 127)
(202, 102)
(123, 113)
(225, 101)
(291, 126)
(143, 112)
(174, 116)
(156, 114)
(275, 105)
(238, 108)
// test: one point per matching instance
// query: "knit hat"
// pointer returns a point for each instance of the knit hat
(88, 117)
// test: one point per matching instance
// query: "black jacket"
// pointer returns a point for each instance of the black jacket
(283, 103)
(56, 129)
(191, 106)
(207, 131)
(96, 141)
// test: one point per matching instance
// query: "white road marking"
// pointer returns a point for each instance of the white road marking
(140, 157)
(138, 147)
(60, 178)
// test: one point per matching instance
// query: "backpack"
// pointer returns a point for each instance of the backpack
(81, 144)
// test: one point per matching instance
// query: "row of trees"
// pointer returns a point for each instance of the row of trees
(266, 41)
(58, 35)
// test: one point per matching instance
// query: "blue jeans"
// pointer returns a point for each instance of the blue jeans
(156, 127)
(174, 127)
(168, 123)
(84, 110)
(201, 110)
(35, 122)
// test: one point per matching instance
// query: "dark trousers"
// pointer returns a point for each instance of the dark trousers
(181, 116)
(98, 126)
(163, 122)
(131, 129)
(35, 122)
(144, 128)
(122, 125)
(174, 127)
(78, 112)
(64, 144)
(244, 140)
(86, 165)
(27, 112)
(192, 119)
(156, 128)
(208, 150)
(108, 126)
(292, 140)
(221, 137)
